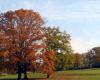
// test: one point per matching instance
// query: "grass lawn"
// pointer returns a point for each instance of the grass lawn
(87, 74)
(30, 75)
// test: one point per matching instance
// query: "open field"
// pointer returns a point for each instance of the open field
(87, 74)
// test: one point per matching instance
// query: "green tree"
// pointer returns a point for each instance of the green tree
(60, 43)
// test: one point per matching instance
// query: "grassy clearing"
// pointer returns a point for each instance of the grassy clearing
(87, 74)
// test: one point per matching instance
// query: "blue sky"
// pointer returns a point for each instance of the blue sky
(80, 18)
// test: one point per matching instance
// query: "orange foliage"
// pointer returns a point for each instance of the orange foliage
(20, 31)
(4, 53)
(48, 62)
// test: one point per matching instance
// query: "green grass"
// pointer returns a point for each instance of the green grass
(87, 74)
(30, 75)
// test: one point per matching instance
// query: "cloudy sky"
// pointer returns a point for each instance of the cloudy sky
(80, 18)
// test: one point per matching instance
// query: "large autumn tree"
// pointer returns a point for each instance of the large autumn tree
(23, 39)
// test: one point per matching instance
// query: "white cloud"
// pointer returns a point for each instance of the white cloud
(82, 45)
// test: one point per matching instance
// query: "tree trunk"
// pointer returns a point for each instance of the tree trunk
(48, 75)
(25, 71)
(19, 70)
